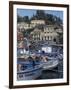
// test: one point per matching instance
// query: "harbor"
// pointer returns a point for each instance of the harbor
(39, 46)
(54, 73)
(40, 65)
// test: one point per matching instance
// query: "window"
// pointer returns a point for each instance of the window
(54, 39)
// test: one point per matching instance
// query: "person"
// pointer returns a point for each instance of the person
(46, 58)
(33, 61)
(37, 59)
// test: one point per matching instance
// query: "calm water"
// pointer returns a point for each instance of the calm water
(53, 74)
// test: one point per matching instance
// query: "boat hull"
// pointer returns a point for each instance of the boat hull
(29, 74)
(50, 64)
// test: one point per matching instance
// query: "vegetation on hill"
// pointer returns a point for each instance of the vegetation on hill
(50, 19)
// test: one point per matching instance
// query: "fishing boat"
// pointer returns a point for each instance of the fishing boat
(50, 58)
(29, 74)
(28, 71)
(51, 64)
(26, 67)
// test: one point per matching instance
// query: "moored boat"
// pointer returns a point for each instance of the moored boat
(50, 64)
(27, 69)
(29, 73)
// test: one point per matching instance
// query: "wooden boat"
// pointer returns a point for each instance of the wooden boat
(50, 64)
(28, 72)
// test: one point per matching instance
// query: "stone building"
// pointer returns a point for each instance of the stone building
(48, 33)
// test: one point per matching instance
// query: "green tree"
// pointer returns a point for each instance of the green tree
(40, 14)
(19, 18)
(26, 19)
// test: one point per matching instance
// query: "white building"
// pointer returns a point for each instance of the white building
(23, 25)
(37, 22)
(32, 24)
(47, 34)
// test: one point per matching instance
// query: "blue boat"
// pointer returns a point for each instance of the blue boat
(28, 71)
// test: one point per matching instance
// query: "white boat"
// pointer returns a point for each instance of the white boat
(52, 57)
(30, 73)
(50, 64)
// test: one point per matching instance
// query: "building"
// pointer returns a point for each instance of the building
(41, 31)
(23, 26)
(19, 36)
(59, 30)
(36, 34)
(48, 33)
(37, 22)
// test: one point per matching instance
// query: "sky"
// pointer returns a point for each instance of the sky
(31, 12)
